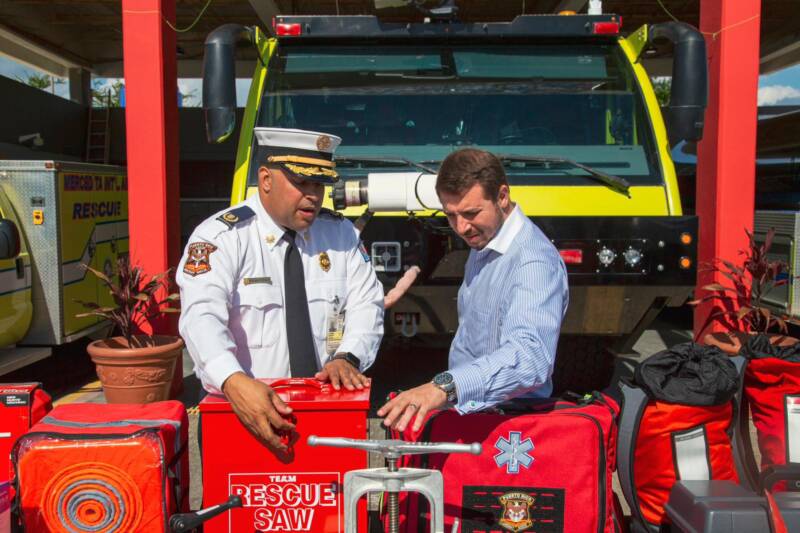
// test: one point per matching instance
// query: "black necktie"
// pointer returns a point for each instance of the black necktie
(302, 356)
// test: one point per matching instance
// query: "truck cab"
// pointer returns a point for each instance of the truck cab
(563, 100)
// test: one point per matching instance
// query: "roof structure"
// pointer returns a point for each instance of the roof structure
(58, 35)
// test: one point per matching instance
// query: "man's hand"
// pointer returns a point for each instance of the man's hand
(341, 373)
(259, 408)
(412, 404)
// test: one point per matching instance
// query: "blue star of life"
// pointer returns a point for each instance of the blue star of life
(513, 452)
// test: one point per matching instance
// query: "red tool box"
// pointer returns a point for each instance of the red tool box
(299, 492)
(21, 406)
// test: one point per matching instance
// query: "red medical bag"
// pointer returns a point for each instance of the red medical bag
(300, 491)
(772, 391)
(21, 406)
(678, 423)
(546, 466)
(99, 467)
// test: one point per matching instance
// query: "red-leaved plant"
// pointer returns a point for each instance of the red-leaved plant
(739, 305)
(135, 299)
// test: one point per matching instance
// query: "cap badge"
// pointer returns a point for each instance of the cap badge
(324, 261)
(323, 143)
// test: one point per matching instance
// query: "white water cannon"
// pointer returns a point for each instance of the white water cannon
(388, 192)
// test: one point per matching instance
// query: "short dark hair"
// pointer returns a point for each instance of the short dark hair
(462, 169)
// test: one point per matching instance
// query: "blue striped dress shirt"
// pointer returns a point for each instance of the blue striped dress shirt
(510, 306)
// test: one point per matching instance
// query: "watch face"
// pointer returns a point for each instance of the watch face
(445, 378)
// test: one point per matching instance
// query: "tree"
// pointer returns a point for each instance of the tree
(42, 81)
(105, 94)
(662, 87)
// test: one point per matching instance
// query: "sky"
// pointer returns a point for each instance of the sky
(778, 88)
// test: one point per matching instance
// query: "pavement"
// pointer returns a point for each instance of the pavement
(665, 332)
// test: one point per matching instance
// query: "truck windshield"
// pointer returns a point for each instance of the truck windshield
(579, 102)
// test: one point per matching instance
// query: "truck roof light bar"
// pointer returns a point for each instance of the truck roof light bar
(370, 27)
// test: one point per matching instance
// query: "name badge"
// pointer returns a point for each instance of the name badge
(253, 281)
(335, 328)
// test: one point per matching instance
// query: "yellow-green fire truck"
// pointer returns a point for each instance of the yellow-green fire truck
(564, 100)
(54, 217)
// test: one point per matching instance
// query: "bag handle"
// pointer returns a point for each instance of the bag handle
(285, 383)
(743, 458)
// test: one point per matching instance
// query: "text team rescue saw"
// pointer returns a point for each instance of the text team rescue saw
(563, 99)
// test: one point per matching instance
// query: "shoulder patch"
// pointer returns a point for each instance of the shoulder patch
(331, 213)
(234, 216)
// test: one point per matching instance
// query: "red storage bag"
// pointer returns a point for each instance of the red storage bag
(546, 466)
(102, 468)
(677, 423)
(772, 391)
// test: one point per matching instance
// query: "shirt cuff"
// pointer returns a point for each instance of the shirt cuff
(220, 368)
(469, 389)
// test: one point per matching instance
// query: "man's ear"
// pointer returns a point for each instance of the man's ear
(264, 179)
(504, 197)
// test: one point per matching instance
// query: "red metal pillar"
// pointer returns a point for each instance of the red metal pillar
(726, 155)
(151, 125)
(151, 121)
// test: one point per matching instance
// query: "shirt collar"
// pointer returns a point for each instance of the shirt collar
(507, 232)
(272, 233)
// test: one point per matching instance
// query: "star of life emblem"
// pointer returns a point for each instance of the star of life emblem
(513, 452)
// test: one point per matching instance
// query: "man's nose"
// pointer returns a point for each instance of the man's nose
(462, 226)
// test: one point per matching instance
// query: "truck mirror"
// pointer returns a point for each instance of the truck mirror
(219, 79)
(9, 239)
(685, 114)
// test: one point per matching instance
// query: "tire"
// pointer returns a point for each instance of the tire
(583, 364)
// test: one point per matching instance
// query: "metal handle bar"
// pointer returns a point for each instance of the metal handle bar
(395, 448)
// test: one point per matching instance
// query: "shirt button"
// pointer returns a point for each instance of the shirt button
(472, 404)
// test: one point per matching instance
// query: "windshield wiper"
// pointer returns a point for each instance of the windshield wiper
(616, 183)
(402, 161)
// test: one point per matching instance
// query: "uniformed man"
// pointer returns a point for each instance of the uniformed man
(277, 287)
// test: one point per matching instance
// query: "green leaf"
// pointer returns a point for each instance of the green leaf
(142, 297)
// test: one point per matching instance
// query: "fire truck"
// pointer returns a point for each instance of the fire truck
(564, 100)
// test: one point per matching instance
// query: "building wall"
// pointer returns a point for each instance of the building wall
(26, 110)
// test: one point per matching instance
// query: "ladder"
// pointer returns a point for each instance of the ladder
(98, 141)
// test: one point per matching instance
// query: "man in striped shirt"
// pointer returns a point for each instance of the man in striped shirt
(510, 304)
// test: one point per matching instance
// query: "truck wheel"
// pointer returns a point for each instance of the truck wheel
(583, 364)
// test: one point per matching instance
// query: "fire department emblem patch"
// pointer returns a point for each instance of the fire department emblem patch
(516, 513)
(198, 261)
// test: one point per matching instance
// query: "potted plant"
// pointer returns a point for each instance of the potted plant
(739, 304)
(134, 367)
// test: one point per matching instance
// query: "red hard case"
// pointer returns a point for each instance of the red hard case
(301, 491)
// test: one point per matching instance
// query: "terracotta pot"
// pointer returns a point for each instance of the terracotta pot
(136, 375)
(731, 342)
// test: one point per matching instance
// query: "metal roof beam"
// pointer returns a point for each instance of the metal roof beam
(36, 55)
(266, 10)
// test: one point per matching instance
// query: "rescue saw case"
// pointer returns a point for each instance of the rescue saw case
(103, 467)
(298, 491)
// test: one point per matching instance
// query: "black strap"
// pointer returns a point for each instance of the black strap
(633, 404)
(302, 355)
(742, 445)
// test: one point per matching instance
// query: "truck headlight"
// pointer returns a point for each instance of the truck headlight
(632, 256)
(606, 256)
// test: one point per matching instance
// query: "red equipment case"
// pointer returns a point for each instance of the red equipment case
(21, 406)
(302, 491)
(98, 467)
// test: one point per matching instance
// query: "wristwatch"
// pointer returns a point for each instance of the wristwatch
(445, 381)
(350, 358)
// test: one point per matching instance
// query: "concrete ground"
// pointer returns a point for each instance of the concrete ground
(665, 332)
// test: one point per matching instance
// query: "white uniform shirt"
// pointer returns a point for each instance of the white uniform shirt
(233, 315)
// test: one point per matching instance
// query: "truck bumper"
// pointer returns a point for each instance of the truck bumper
(617, 297)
